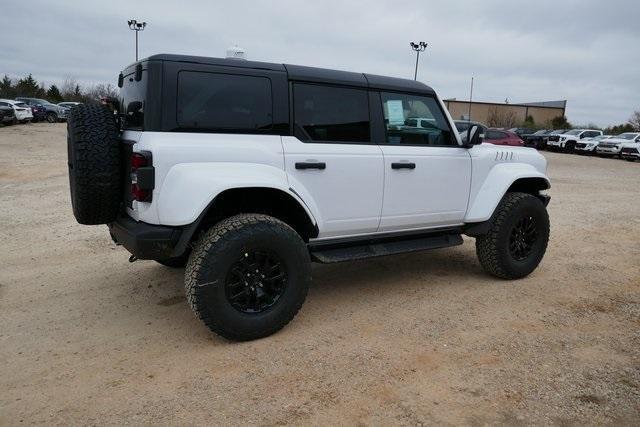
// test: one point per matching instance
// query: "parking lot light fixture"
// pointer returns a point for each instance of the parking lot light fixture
(418, 47)
(137, 27)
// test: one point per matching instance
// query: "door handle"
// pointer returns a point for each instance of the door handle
(403, 165)
(311, 165)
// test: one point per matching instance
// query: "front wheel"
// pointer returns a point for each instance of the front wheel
(52, 118)
(517, 238)
(569, 147)
(248, 276)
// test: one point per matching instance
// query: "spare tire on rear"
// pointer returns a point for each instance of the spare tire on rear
(94, 151)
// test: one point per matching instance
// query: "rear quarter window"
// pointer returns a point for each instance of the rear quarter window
(133, 101)
(228, 102)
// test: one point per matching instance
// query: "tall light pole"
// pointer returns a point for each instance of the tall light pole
(137, 27)
(418, 47)
(470, 100)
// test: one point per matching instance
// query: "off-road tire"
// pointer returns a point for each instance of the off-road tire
(213, 256)
(493, 248)
(94, 152)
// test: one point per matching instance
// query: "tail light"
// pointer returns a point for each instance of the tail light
(142, 176)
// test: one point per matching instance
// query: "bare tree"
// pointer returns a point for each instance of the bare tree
(102, 90)
(501, 119)
(68, 88)
(634, 120)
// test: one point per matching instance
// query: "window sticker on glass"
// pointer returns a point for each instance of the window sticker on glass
(396, 112)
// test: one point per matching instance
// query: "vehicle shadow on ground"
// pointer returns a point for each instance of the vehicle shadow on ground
(161, 289)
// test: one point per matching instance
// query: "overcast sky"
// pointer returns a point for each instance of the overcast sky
(587, 52)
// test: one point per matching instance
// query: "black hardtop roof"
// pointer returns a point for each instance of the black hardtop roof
(303, 73)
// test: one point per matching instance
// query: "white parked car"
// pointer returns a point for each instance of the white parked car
(588, 145)
(613, 146)
(246, 172)
(631, 150)
(23, 111)
(567, 141)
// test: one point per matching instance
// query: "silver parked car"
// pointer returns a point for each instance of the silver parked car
(53, 112)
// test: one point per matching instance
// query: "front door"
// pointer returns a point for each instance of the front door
(427, 174)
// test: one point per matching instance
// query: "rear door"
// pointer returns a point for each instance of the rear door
(331, 160)
(427, 174)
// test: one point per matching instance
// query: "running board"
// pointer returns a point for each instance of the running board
(369, 250)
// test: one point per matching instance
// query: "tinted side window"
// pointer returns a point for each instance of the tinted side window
(434, 128)
(327, 113)
(224, 102)
(491, 134)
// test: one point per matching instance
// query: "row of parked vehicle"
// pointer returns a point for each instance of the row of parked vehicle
(25, 110)
(580, 141)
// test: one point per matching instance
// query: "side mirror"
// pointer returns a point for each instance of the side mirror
(473, 136)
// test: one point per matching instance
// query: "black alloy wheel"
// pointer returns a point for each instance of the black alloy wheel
(523, 238)
(256, 281)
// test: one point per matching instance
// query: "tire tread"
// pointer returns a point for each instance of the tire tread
(94, 164)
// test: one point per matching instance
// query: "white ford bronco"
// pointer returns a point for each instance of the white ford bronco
(246, 172)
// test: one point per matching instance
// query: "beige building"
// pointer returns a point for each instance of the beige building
(506, 115)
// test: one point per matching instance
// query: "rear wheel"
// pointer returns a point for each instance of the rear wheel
(517, 238)
(248, 276)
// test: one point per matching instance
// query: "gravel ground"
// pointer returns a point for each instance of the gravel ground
(425, 338)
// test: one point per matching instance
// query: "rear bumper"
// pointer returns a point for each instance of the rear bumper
(145, 241)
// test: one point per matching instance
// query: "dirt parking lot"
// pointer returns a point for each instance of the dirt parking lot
(425, 338)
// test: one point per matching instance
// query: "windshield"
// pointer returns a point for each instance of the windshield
(574, 132)
(627, 135)
(540, 132)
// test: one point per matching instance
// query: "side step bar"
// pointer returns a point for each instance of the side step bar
(363, 250)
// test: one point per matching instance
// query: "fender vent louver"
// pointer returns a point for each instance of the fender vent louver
(504, 156)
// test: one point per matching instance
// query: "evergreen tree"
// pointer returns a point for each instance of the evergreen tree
(560, 122)
(28, 87)
(54, 95)
(77, 94)
(6, 88)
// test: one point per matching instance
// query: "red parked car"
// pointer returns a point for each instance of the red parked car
(502, 137)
